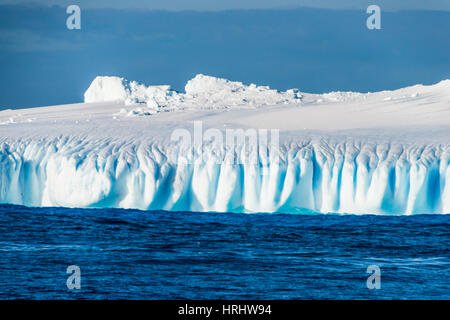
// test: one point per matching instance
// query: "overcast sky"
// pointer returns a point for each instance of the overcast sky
(388, 5)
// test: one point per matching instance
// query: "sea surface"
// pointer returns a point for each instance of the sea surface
(132, 254)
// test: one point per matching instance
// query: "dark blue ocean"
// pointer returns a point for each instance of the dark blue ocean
(132, 254)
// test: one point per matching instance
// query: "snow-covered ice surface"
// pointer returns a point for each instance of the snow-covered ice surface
(384, 152)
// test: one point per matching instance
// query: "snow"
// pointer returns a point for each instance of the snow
(207, 90)
(200, 92)
(118, 89)
(384, 152)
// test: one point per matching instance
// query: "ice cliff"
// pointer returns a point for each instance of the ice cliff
(345, 177)
(381, 153)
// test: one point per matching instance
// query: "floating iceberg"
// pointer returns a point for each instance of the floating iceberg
(336, 152)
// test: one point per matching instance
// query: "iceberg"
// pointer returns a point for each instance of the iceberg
(200, 92)
(135, 146)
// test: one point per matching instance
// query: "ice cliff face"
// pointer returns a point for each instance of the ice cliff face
(316, 175)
